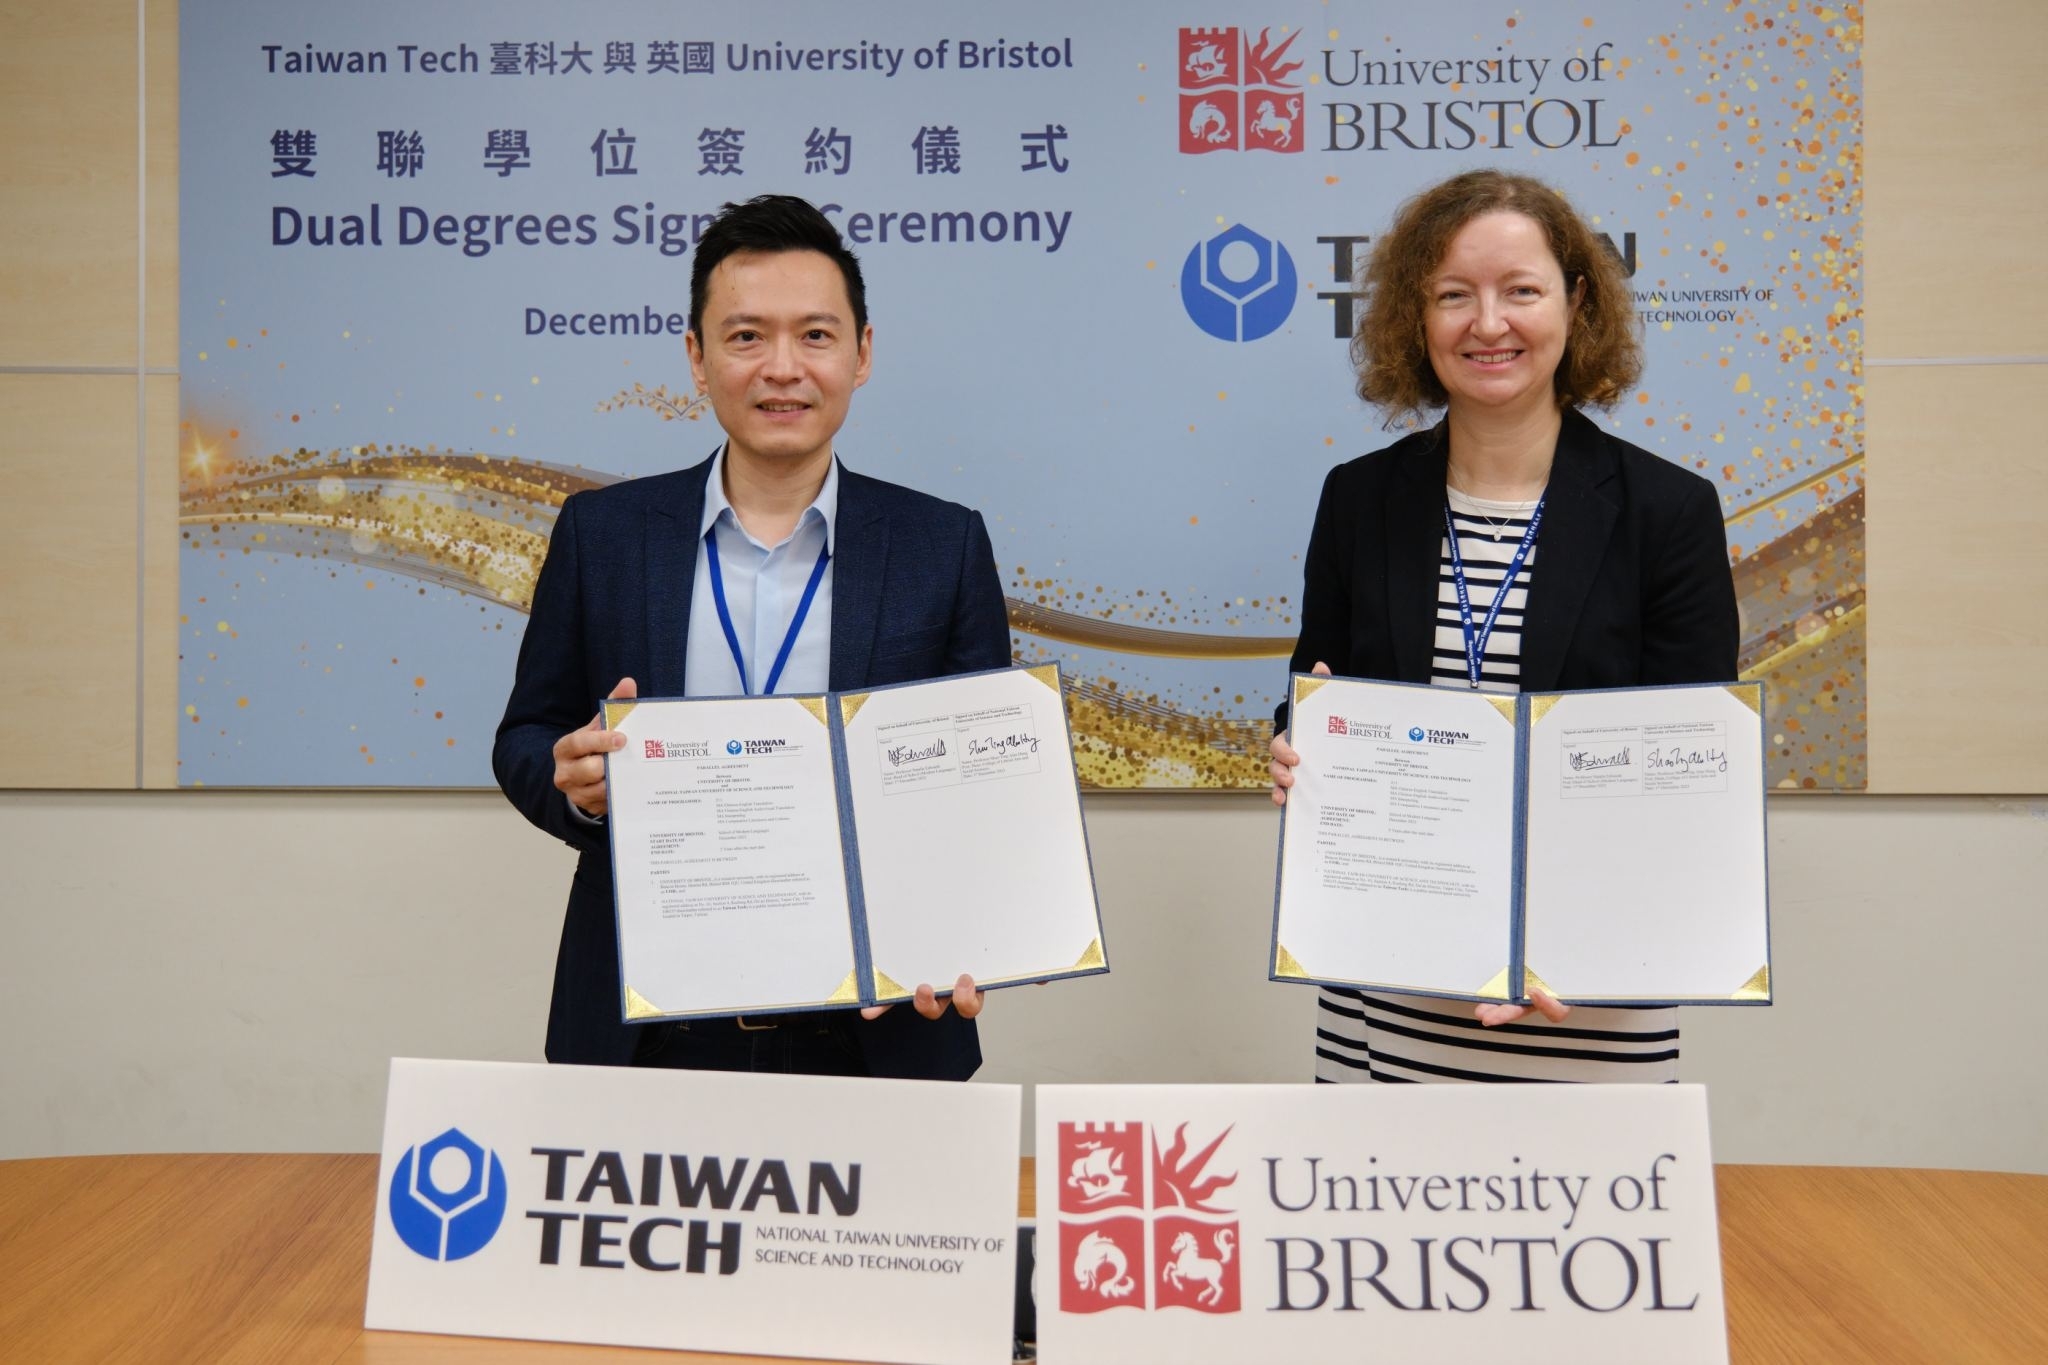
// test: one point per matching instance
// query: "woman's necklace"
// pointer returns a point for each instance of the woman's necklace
(1500, 528)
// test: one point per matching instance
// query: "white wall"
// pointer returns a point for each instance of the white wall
(230, 971)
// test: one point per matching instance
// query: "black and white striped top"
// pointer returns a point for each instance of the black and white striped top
(1369, 1036)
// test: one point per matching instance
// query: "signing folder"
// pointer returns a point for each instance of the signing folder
(1605, 846)
(801, 852)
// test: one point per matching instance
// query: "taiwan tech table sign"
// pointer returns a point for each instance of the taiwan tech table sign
(601, 1204)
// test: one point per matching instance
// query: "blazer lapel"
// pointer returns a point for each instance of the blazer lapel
(1414, 541)
(1578, 520)
(671, 566)
(860, 561)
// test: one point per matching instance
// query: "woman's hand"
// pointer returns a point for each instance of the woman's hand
(1548, 1005)
(1285, 759)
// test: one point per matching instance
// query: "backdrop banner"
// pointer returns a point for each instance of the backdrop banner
(435, 278)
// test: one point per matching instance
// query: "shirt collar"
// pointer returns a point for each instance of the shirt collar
(824, 507)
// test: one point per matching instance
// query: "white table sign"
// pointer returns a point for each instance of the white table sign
(1191, 1224)
(784, 1215)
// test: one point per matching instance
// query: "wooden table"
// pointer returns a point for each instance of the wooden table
(265, 1259)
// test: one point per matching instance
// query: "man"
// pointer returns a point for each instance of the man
(823, 580)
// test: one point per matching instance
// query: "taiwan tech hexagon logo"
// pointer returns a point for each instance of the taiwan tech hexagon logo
(1238, 286)
(448, 1197)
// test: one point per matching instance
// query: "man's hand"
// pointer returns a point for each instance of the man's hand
(579, 757)
(966, 1000)
(1548, 1005)
(1285, 759)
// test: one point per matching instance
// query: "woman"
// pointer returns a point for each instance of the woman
(1491, 300)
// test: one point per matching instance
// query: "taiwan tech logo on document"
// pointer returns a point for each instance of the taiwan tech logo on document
(1119, 1248)
(448, 1197)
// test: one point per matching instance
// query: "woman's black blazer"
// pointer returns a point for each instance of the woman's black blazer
(1631, 585)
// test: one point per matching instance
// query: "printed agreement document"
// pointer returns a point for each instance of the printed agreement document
(1605, 846)
(779, 853)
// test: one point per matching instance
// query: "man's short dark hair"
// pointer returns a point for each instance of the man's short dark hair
(773, 222)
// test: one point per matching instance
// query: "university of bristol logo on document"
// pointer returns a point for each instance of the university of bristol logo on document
(1119, 1249)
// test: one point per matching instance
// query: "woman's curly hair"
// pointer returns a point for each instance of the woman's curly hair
(1603, 354)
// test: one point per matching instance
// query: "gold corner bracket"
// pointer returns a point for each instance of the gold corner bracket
(1750, 694)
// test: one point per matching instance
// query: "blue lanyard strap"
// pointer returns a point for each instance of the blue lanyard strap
(1475, 640)
(796, 622)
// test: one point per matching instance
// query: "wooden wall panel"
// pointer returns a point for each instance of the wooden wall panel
(67, 619)
(1958, 579)
(160, 715)
(1956, 178)
(68, 162)
(160, 97)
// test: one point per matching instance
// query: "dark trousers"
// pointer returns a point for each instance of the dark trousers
(807, 1043)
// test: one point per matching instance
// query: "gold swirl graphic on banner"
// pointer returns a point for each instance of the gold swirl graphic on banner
(1072, 628)
(479, 524)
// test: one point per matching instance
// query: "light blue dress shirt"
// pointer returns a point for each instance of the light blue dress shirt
(763, 585)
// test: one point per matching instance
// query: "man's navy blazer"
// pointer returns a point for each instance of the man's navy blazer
(915, 595)
(1631, 586)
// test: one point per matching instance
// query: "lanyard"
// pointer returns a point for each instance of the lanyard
(796, 622)
(1475, 641)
